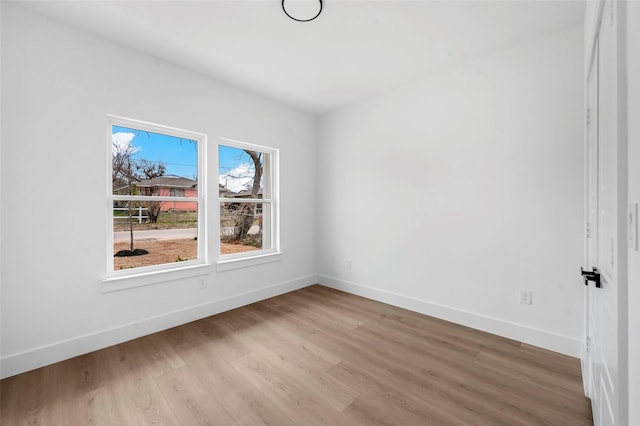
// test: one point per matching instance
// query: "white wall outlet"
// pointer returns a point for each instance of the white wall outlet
(526, 297)
(202, 284)
(348, 264)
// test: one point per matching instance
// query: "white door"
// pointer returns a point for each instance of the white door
(603, 242)
(592, 214)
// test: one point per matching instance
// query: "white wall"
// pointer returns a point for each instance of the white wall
(633, 77)
(451, 194)
(58, 85)
(448, 195)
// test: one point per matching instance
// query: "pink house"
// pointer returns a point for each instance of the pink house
(171, 186)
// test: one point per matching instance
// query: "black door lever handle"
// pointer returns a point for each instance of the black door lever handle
(591, 276)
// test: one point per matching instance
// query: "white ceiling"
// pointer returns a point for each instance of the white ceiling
(353, 50)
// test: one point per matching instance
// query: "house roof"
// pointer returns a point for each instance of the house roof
(245, 194)
(168, 181)
(226, 193)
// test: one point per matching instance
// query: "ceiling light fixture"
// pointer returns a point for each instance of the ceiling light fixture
(302, 20)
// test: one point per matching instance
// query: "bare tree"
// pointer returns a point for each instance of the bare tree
(122, 168)
(146, 170)
(248, 211)
(126, 173)
(240, 217)
(123, 177)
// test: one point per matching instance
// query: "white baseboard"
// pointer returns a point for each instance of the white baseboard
(39, 357)
(533, 336)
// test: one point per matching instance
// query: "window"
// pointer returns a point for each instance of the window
(156, 198)
(177, 192)
(247, 190)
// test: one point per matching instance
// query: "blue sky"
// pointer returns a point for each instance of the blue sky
(229, 158)
(179, 155)
(236, 169)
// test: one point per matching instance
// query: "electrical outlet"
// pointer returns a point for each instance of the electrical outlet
(526, 297)
(348, 263)
(202, 284)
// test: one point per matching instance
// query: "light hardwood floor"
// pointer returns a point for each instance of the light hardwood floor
(313, 356)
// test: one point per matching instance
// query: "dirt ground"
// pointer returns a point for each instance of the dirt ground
(167, 251)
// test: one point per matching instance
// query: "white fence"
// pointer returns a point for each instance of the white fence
(136, 213)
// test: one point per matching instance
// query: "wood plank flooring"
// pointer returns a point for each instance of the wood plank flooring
(315, 356)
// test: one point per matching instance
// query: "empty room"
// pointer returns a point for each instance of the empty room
(331, 212)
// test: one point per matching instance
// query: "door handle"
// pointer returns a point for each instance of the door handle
(591, 276)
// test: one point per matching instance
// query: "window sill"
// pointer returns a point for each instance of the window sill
(245, 262)
(116, 283)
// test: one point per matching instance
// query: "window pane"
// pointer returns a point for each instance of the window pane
(147, 163)
(139, 241)
(247, 190)
(241, 227)
(240, 172)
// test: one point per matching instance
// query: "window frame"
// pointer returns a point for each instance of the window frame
(270, 196)
(172, 190)
(145, 275)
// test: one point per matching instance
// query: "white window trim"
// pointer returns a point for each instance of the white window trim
(245, 262)
(110, 284)
(135, 277)
(271, 196)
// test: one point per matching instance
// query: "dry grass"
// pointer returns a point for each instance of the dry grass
(167, 251)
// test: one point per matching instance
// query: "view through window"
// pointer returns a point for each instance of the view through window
(155, 197)
(247, 207)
